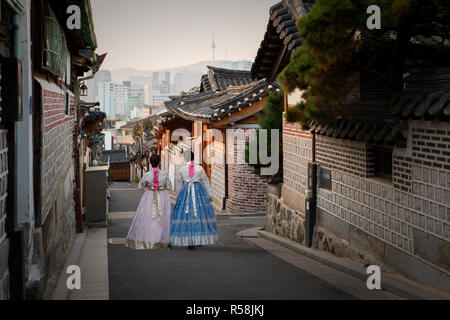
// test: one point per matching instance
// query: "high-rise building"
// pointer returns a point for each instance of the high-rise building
(138, 82)
(106, 98)
(135, 99)
(186, 81)
(127, 84)
(160, 98)
(161, 79)
(120, 101)
(92, 85)
(148, 94)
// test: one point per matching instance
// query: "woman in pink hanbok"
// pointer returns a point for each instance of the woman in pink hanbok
(150, 228)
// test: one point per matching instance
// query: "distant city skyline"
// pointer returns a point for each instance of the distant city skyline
(156, 35)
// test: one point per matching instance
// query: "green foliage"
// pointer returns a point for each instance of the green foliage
(336, 43)
(147, 125)
(99, 164)
(194, 90)
(136, 178)
(137, 132)
(271, 118)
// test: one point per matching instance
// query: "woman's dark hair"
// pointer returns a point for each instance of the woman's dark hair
(155, 160)
(188, 155)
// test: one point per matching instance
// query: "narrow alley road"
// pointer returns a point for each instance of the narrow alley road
(233, 269)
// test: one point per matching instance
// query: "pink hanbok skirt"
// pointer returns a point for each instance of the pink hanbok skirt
(149, 229)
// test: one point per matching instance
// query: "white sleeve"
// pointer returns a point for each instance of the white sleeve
(144, 181)
(141, 182)
(168, 183)
(205, 181)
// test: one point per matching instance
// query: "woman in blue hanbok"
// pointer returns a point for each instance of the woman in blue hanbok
(193, 220)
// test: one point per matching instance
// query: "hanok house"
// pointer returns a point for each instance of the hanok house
(125, 132)
(120, 168)
(234, 104)
(377, 183)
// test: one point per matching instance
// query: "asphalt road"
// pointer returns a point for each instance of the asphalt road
(234, 269)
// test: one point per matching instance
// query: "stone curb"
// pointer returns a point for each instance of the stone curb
(394, 286)
(249, 233)
(240, 214)
(61, 291)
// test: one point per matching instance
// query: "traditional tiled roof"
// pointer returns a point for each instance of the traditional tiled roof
(209, 106)
(115, 156)
(370, 131)
(281, 39)
(84, 104)
(92, 112)
(132, 124)
(218, 79)
(403, 106)
(163, 119)
(421, 104)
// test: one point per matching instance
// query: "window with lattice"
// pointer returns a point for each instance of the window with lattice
(54, 45)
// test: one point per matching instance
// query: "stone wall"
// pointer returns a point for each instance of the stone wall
(297, 152)
(402, 224)
(345, 156)
(411, 213)
(286, 203)
(283, 220)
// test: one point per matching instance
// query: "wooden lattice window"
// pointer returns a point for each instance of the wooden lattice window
(54, 45)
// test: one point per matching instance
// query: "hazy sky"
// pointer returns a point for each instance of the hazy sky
(157, 34)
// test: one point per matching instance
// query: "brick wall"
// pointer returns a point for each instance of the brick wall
(344, 155)
(57, 146)
(4, 242)
(218, 172)
(416, 202)
(247, 192)
(57, 172)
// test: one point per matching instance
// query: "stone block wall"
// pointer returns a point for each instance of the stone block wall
(285, 207)
(345, 156)
(403, 223)
(283, 220)
(297, 153)
(410, 213)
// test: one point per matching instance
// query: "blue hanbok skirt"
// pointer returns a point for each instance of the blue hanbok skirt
(191, 227)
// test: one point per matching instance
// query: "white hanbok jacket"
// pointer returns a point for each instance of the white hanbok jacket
(199, 176)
